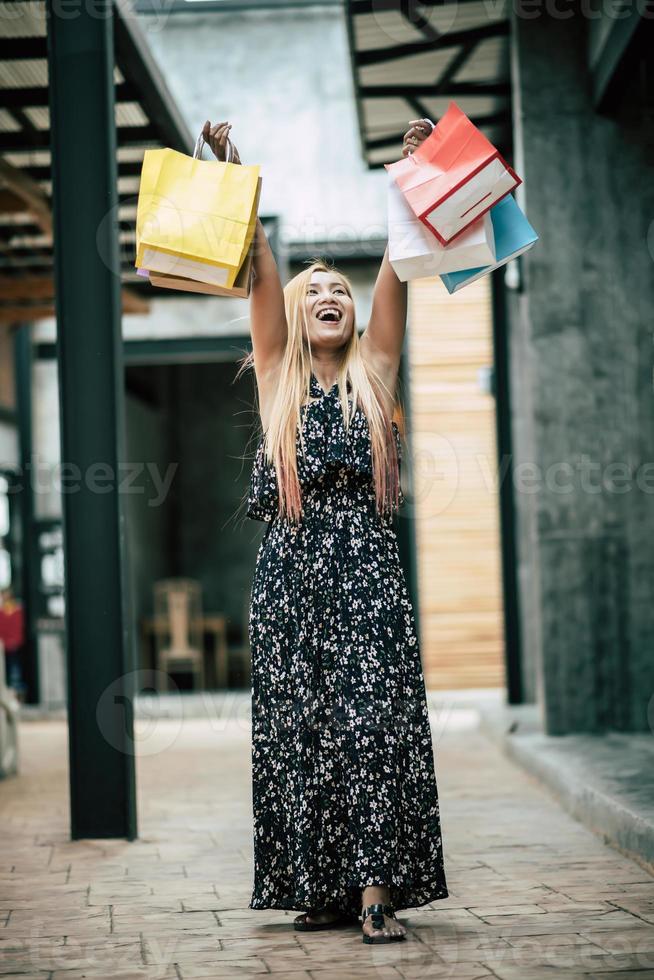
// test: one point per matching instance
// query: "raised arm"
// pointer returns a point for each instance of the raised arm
(267, 313)
(382, 340)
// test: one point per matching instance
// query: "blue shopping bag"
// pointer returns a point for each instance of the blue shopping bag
(513, 236)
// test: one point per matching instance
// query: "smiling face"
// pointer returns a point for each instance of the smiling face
(329, 310)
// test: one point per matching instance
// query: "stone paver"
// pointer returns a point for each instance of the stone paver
(533, 893)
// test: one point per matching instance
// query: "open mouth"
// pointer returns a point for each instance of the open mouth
(330, 315)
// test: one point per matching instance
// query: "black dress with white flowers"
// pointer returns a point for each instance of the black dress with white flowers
(344, 789)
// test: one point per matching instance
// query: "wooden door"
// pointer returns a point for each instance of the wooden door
(453, 450)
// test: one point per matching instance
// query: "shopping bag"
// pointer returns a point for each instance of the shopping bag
(195, 217)
(200, 272)
(415, 253)
(240, 289)
(513, 236)
(145, 211)
(453, 177)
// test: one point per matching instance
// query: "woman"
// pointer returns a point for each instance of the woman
(346, 816)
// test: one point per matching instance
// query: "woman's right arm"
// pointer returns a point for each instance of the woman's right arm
(267, 311)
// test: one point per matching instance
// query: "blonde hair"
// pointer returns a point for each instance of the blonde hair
(294, 389)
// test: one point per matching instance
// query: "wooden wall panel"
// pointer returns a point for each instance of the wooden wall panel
(7, 394)
(456, 508)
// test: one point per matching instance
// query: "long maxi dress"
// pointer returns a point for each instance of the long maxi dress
(343, 782)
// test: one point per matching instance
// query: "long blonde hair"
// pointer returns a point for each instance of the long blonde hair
(294, 389)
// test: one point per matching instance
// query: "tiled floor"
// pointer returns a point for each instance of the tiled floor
(533, 893)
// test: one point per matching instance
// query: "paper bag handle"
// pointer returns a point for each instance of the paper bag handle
(200, 144)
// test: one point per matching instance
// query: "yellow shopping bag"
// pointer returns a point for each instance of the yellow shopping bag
(240, 288)
(195, 217)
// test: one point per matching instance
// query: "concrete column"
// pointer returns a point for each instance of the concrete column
(581, 349)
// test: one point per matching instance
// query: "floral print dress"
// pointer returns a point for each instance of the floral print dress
(343, 782)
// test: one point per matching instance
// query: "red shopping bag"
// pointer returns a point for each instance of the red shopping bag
(454, 176)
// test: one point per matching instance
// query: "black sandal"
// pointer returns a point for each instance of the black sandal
(300, 923)
(378, 911)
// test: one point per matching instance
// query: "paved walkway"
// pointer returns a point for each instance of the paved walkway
(533, 893)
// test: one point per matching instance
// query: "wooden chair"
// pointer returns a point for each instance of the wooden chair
(179, 640)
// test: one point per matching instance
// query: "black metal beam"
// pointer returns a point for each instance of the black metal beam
(376, 56)
(28, 543)
(99, 648)
(418, 107)
(23, 120)
(507, 515)
(433, 89)
(22, 48)
(126, 168)
(456, 63)
(37, 97)
(175, 350)
(22, 142)
(405, 523)
(414, 15)
(349, 23)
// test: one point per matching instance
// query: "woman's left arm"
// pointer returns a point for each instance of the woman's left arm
(382, 340)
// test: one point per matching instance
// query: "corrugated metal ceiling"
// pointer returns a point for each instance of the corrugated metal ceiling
(413, 58)
(145, 116)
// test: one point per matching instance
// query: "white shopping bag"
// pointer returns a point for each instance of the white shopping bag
(415, 253)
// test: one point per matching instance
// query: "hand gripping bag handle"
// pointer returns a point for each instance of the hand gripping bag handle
(200, 144)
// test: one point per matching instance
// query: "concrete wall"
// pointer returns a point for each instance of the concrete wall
(215, 543)
(45, 439)
(147, 512)
(582, 389)
(8, 445)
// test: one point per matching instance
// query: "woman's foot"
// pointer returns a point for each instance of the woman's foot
(374, 895)
(317, 917)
